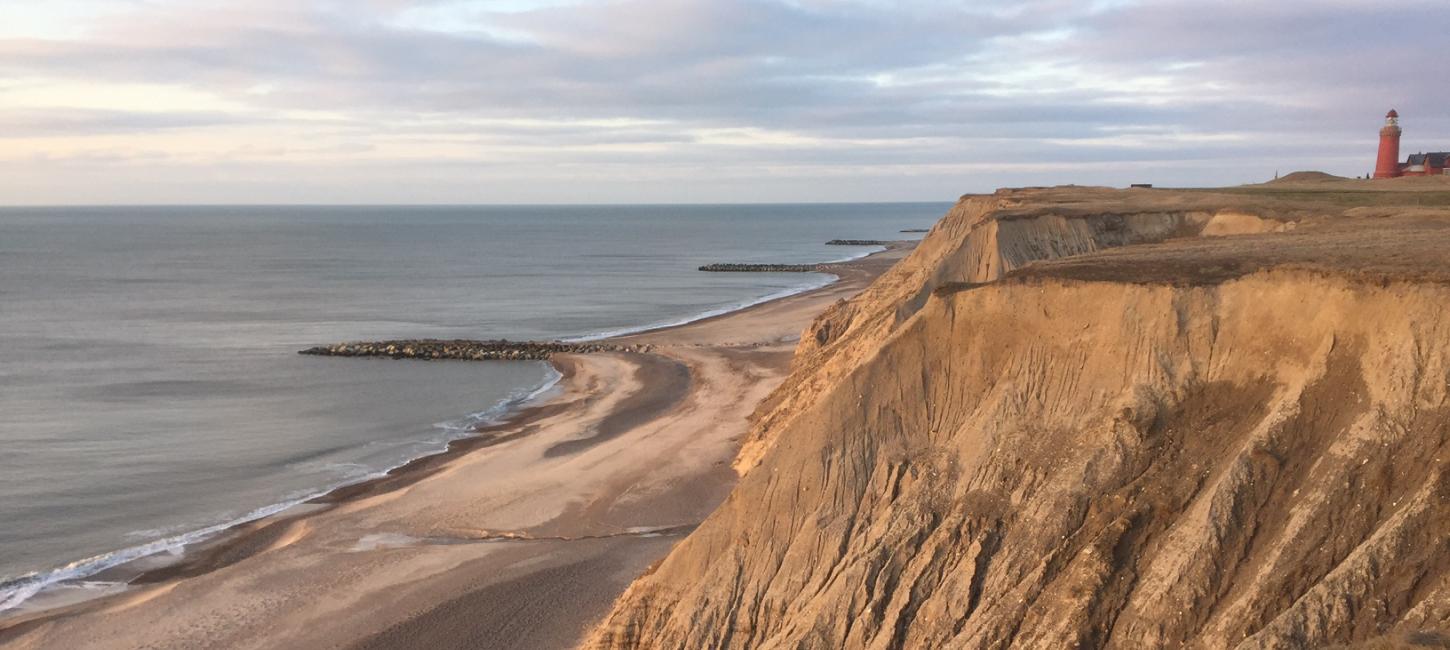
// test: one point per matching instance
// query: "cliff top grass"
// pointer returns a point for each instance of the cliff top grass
(1371, 230)
(1319, 188)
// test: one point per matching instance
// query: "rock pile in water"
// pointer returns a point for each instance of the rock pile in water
(500, 350)
(762, 268)
(857, 242)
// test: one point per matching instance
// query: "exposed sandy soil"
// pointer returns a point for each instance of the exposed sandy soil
(519, 538)
(1080, 418)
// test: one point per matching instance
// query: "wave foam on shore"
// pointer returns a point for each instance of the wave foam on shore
(16, 591)
(825, 280)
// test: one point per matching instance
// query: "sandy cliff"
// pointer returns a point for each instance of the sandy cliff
(1081, 417)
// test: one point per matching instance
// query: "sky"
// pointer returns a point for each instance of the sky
(696, 101)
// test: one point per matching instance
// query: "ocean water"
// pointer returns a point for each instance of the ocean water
(150, 390)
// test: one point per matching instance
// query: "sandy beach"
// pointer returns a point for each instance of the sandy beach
(520, 537)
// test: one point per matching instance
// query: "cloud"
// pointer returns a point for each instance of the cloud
(18, 123)
(639, 91)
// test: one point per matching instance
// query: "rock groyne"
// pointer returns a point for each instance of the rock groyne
(763, 268)
(466, 350)
(857, 242)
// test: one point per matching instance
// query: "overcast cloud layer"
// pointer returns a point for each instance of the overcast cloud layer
(416, 101)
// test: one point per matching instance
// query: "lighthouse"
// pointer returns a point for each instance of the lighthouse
(1388, 165)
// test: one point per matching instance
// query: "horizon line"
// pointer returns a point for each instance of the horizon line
(24, 206)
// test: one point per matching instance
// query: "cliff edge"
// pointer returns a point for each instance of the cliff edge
(1081, 417)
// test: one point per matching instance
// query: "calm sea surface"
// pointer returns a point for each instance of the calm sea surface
(150, 390)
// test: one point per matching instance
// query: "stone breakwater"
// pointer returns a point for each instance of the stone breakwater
(764, 268)
(460, 349)
(917, 230)
(857, 242)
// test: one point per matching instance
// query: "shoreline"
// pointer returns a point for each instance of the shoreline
(510, 411)
(124, 573)
(246, 539)
(704, 315)
(228, 547)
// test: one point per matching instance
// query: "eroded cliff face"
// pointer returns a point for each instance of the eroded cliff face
(984, 452)
(983, 238)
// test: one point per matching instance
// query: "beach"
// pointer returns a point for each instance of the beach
(521, 536)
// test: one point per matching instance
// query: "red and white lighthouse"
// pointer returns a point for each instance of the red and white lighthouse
(1388, 165)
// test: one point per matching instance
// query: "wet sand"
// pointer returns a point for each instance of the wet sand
(520, 537)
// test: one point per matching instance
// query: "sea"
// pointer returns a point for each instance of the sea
(151, 394)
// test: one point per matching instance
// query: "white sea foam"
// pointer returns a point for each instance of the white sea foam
(14, 592)
(826, 279)
(496, 413)
(851, 258)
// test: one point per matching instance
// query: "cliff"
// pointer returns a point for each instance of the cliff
(1091, 418)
